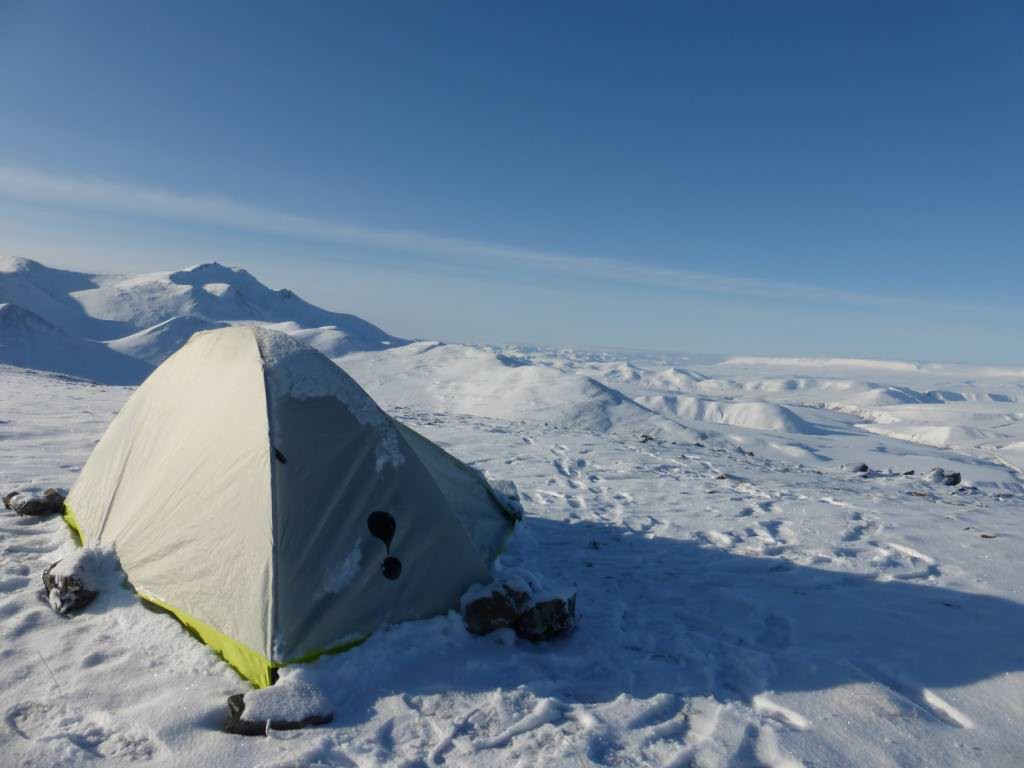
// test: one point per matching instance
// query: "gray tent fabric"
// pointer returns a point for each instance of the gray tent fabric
(254, 489)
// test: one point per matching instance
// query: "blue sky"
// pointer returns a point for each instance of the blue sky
(739, 177)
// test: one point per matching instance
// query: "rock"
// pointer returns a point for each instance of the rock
(859, 468)
(518, 601)
(74, 581)
(939, 475)
(237, 723)
(66, 592)
(547, 619)
(494, 607)
(48, 502)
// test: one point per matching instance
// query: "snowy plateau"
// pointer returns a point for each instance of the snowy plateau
(749, 594)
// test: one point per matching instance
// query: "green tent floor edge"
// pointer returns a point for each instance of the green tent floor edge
(72, 523)
(251, 665)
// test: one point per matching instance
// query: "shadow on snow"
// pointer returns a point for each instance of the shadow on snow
(668, 616)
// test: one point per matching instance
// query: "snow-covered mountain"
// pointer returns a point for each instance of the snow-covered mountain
(114, 328)
(29, 341)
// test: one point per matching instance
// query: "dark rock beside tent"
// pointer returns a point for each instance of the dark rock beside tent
(495, 607)
(238, 724)
(48, 502)
(518, 601)
(547, 619)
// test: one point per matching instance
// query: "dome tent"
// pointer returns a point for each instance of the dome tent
(255, 491)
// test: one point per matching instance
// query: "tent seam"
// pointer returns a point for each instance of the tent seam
(271, 613)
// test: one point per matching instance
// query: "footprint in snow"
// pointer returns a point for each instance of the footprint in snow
(55, 727)
(919, 697)
(767, 708)
(13, 583)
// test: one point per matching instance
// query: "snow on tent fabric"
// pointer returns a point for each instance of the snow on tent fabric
(254, 490)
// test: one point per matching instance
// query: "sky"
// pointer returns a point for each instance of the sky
(797, 178)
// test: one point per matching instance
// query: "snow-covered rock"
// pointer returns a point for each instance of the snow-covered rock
(32, 503)
(293, 702)
(74, 581)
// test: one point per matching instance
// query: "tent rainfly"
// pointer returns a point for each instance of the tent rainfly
(255, 491)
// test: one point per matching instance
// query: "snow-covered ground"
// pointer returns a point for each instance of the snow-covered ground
(746, 598)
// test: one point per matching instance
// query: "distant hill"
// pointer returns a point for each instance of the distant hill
(114, 328)
(454, 378)
(29, 341)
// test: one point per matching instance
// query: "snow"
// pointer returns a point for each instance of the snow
(28, 340)
(96, 566)
(521, 581)
(293, 697)
(114, 328)
(743, 598)
(483, 382)
(753, 415)
(344, 572)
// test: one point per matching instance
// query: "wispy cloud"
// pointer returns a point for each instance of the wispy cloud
(26, 184)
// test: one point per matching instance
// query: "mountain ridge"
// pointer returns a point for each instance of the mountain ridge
(99, 321)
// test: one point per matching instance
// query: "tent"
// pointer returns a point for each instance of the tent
(254, 490)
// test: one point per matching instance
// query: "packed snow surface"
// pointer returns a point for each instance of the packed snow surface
(746, 597)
